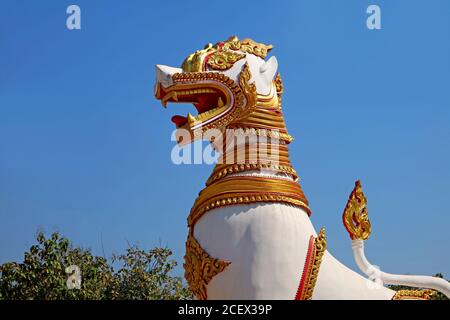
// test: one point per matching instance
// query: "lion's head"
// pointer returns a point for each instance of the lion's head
(223, 82)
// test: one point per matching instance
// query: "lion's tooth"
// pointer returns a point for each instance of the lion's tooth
(190, 118)
(220, 102)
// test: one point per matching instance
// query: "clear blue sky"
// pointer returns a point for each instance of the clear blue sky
(85, 148)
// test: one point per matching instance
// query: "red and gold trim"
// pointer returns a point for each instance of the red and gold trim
(316, 249)
(244, 190)
(223, 170)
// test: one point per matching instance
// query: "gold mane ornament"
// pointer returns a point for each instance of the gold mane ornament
(223, 55)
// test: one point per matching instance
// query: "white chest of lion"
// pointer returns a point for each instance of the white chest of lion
(266, 244)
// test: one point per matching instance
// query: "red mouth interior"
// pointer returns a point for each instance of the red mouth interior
(202, 102)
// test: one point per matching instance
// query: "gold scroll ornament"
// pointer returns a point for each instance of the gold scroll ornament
(223, 55)
(425, 294)
(223, 60)
(356, 217)
(200, 267)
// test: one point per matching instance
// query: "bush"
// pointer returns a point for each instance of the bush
(141, 274)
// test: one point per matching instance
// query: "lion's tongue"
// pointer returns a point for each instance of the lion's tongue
(179, 120)
(204, 103)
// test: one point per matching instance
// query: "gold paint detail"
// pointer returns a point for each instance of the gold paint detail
(248, 88)
(195, 62)
(223, 60)
(249, 198)
(247, 45)
(260, 156)
(279, 86)
(221, 171)
(249, 110)
(236, 190)
(191, 80)
(266, 118)
(244, 97)
(266, 133)
(355, 216)
(320, 245)
(200, 267)
(425, 294)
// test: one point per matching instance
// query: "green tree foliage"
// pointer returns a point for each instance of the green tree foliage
(140, 274)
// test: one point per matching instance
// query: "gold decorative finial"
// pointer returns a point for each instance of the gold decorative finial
(356, 217)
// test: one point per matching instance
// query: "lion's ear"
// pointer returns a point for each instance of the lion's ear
(269, 69)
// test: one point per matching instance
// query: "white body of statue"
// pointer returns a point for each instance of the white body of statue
(267, 244)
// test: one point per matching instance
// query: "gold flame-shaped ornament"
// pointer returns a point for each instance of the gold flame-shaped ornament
(356, 217)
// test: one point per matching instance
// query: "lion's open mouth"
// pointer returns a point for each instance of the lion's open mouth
(210, 100)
